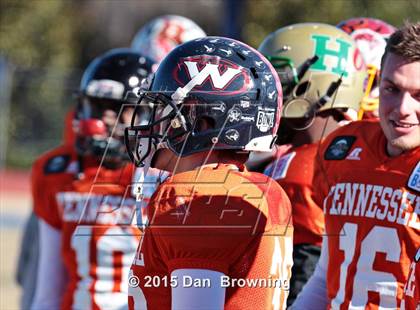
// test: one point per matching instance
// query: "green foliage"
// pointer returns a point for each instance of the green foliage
(37, 33)
(38, 39)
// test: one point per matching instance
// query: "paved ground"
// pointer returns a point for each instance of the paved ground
(15, 204)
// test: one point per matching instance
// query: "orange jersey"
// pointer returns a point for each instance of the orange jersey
(222, 219)
(294, 172)
(371, 203)
(51, 173)
(411, 299)
(94, 214)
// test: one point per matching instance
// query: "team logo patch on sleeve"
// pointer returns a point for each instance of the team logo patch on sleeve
(56, 164)
(339, 148)
(278, 169)
(414, 180)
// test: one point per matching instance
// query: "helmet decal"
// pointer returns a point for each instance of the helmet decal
(325, 53)
(212, 75)
(265, 119)
(371, 44)
(105, 89)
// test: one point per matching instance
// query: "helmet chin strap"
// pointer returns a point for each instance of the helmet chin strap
(303, 68)
(179, 96)
(316, 106)
(141, 177)
(182, 92)
(313, 108)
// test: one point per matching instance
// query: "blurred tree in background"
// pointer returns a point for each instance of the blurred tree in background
(39, 39)
(49, 42)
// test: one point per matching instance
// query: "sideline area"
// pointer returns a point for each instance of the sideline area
(15, 206)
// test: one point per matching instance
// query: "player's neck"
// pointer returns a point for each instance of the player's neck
(176, 164)
(394, 151)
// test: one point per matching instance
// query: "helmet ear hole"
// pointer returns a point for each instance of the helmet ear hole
(204, 123)
(302, 88)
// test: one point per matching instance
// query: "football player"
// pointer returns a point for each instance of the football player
(367, 180)
(82, 195)
(162, 34)
(322, 81)
(27, 266)
(156, 39)
(370, 35)
(218, 235)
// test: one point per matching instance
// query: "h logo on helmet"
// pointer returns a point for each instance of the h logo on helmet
(322, 51)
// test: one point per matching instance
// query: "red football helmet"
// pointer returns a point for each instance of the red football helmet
(370, 35)
(161, 35)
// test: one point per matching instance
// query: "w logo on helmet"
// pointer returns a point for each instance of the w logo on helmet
(212, 75)
(211, 71)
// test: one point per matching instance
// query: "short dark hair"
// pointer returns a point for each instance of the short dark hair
(404, 42)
